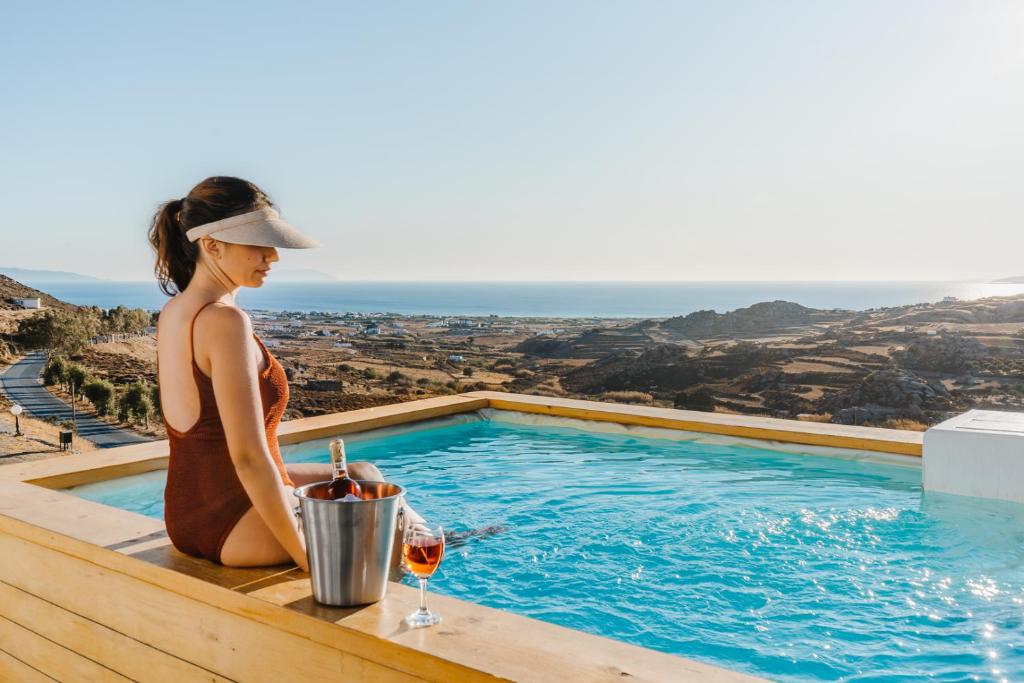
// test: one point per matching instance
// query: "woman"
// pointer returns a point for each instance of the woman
(222, 394)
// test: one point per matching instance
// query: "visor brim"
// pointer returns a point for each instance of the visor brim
(270, 232)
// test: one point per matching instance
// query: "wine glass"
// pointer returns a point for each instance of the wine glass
(422, 550)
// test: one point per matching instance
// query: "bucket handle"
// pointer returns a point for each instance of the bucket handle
(399, 518)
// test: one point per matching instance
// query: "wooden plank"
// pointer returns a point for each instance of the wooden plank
(127, 532)
(748, 426)
(507, 645)
(165, 555)
(13, 669)
(94, 465)
(89, 521)
(72, 470)
(364, 419)
(477, 643)
(95, 641)
(52, 659)
(231, 645)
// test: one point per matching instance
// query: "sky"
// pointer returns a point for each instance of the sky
(528, 140)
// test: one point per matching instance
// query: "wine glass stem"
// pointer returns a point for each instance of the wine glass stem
(423, 594)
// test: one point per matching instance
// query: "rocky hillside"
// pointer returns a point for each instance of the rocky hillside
(764, 317)
(12, 289)
(595, 343)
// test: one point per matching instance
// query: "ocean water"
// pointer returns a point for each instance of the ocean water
(792, 567)
(537, 299)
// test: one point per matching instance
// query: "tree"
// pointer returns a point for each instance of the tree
(467, 371)
(154, 397)
(135, 403)
(55, 371)
(63, 331)
(123, 320)
(100, 393)
(77, 377)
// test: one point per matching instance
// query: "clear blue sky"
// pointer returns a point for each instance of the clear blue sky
(529, 140)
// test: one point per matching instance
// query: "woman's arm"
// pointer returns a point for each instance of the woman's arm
(228, 340)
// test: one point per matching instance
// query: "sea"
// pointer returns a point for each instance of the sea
(542, 299)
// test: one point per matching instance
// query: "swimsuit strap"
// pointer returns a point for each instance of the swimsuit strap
(191, 348)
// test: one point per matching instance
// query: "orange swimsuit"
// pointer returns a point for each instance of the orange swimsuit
(204, 498)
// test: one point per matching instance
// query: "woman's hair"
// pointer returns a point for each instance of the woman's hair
(215, 198)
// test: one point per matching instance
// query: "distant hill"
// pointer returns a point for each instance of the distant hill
(300, 275)
(767, 316)
(12, 289)
(44, 276)
(1018, 280)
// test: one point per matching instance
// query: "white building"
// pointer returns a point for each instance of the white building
(29, 303)
(455, 358)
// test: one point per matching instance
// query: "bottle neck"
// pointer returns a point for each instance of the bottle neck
(339, 464)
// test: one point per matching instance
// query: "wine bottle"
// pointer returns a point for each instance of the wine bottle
(342, 487)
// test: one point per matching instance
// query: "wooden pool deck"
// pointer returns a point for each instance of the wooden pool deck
(93, 593)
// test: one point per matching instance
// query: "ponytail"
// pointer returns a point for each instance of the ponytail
(175, 255)
(213, 199)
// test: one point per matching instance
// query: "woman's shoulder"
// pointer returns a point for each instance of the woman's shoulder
(222, 323)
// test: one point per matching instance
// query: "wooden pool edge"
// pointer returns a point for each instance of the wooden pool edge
(62, 557)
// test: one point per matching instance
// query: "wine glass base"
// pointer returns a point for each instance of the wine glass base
(419, 619)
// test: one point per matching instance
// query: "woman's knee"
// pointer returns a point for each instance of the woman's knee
(308, 473)
(364, 470)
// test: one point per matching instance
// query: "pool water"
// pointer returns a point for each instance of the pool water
(792, 567)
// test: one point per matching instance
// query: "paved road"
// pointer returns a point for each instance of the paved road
(21, 384)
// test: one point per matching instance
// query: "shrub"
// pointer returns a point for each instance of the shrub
(627, 396)
(55, 371)
(699, 399)
(135, 403)
(77, 376)
(395, 375)
(370, 373)
(100, 393)
(467, 371)
(423, 381)
(154, 397)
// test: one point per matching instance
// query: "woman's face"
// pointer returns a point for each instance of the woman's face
(246, 265)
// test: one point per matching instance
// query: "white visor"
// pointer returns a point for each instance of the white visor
(261, 228)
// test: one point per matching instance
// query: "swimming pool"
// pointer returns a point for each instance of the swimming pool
(791, 566)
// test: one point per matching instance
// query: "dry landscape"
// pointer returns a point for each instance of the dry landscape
(906, 367)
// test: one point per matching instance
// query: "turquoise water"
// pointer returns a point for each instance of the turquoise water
(792, 567)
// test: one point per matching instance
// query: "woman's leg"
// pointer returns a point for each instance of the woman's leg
(251, 543)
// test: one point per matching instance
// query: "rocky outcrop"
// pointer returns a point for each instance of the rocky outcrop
(947, 353)
(887, 394)
(661, 366)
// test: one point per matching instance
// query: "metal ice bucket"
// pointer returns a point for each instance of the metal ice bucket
(349, 543)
